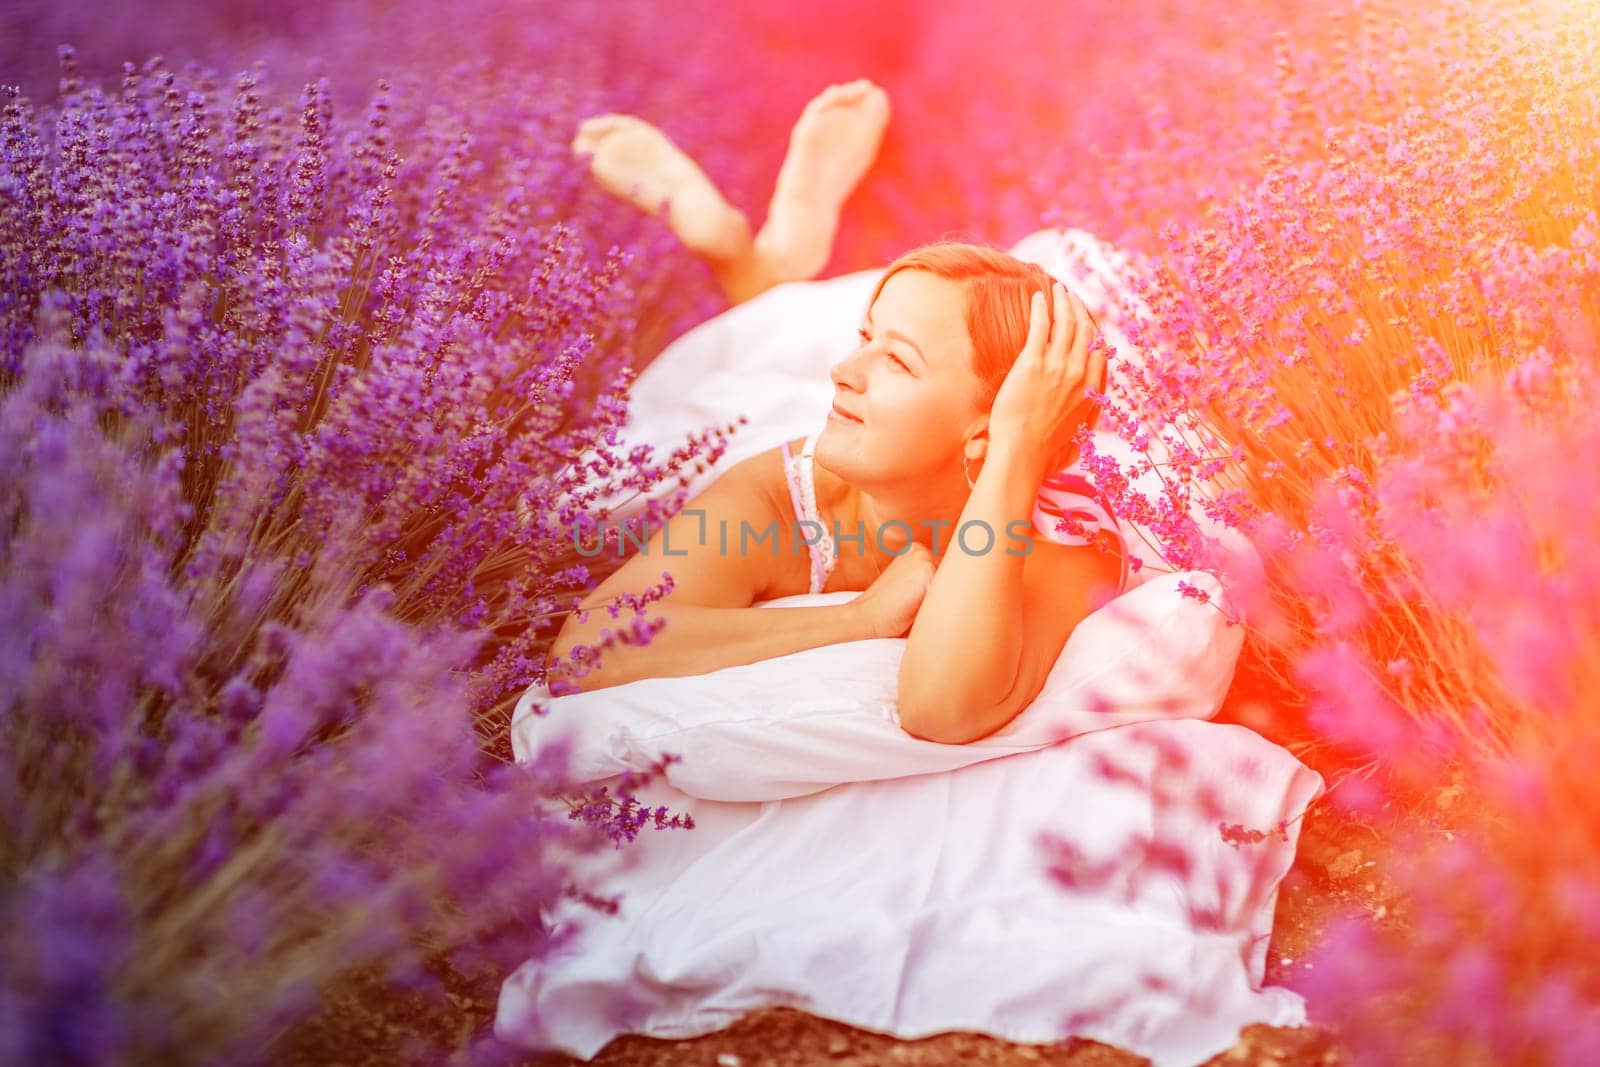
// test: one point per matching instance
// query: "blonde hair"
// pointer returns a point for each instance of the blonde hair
(998, 287)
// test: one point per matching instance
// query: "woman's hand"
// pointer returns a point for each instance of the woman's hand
(1042, 402)
(891, 602)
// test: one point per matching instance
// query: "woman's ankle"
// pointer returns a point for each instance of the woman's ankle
(746, 277)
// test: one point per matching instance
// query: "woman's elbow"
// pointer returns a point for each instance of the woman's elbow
(928, 719)
(943, 732)
(913, 726)
(948, 720)
(923, 711)
(950, 707)
(911, 710)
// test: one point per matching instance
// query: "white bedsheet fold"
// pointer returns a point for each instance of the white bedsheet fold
(904, 886)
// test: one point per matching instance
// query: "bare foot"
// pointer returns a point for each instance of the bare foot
(831, 146)
(635, 161)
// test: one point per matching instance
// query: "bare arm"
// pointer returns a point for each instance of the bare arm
(963, 650)
(993, 623)
(710, 623)
(698, 640)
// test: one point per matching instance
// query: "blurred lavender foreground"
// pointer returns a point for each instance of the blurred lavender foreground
(273, 386)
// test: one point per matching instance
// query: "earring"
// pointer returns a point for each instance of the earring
(967, 471)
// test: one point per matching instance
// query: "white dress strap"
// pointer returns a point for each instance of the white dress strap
(824, 556)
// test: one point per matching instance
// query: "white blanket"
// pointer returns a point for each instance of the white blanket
(910, 894)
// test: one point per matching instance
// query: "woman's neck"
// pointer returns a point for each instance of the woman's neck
(894, 515)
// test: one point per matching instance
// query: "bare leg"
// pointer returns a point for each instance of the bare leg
(635, 161)
(831, 146)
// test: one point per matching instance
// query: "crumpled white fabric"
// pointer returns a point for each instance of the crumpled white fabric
(912, 895)
(922, 904)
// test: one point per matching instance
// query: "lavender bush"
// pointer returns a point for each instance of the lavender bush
(1390, 339)
(291, 411)
(1484, 494)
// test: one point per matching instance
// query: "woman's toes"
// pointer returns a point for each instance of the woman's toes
(828, 96)
(848, 94)
(816, 103)
(595, 122)
(592, 131)
(634, 160)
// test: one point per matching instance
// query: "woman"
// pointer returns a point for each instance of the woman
(967, 389)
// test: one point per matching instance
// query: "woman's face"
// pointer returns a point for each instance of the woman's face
(907, 391)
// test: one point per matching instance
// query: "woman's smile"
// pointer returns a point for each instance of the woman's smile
(838, 414)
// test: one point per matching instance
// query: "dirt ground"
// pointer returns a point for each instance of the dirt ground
(1339, 864)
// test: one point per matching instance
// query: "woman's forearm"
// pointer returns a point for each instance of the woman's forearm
(698, 639)
(964, 650)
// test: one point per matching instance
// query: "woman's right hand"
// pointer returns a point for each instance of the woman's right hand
(891, 602)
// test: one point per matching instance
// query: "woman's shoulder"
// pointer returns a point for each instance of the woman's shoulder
(779, 486)
(763, 485)
(764, 475)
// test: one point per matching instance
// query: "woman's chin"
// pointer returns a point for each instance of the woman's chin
(837, 448)
(844, 434)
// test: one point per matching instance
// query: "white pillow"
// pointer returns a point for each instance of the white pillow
(796, 724)
(1150, 653)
